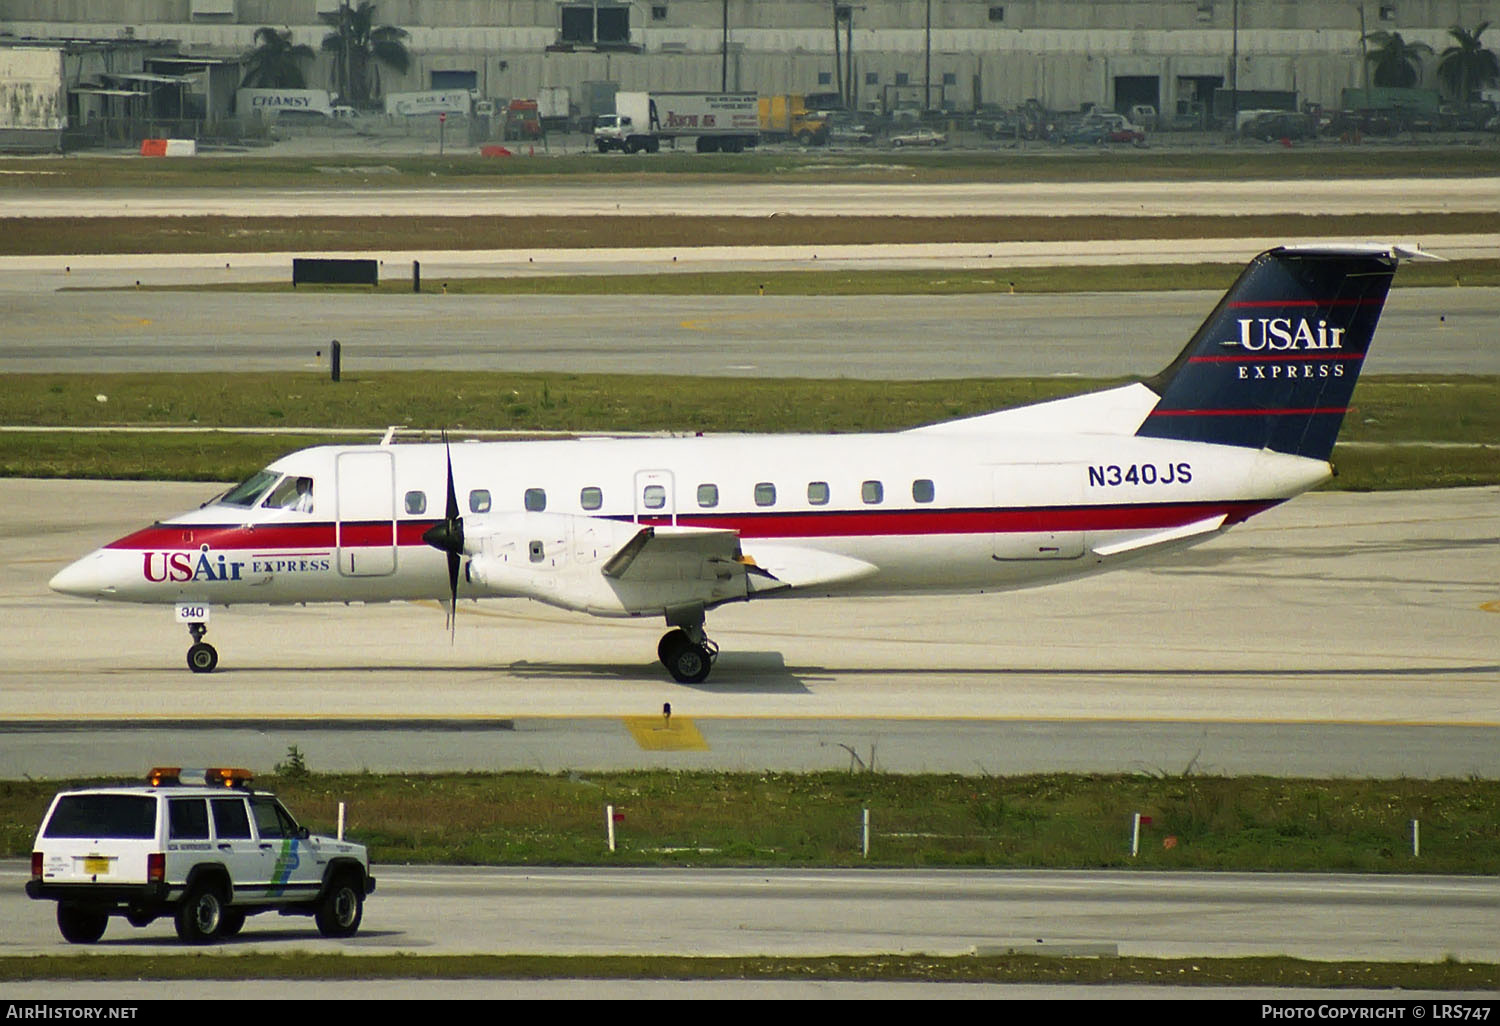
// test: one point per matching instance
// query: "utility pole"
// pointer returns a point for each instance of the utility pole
(927, 71)
(1234, 75)
(724, 62)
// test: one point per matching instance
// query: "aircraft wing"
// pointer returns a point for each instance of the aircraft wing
(675, 553)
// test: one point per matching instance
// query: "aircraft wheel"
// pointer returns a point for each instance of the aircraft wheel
(669, 643)
(689, 663)
(202, 658)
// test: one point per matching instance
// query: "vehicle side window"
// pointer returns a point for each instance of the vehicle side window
(187, 819)
(591, 498)
(479, 500)
(654, 497)
(293, 493)
(817, 493)
(416, 503)
(270, 821)
(872, 492)
(708, 495)
(923, 490)
(536, 500)
(231, 821)
(765, 494)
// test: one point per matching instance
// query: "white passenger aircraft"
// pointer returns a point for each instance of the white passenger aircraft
(1242, 420)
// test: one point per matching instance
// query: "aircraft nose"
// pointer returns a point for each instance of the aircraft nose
(86, 578)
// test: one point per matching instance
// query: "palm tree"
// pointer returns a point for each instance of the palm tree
(275, 62)
(359, 48)
(1397, 62)
(1468, 65)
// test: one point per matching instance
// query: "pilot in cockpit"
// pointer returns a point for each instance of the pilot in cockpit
(293, 493)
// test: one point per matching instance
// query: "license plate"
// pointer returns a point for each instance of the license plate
(96, 866)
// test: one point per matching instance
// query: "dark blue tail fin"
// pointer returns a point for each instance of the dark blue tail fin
(1275, 363)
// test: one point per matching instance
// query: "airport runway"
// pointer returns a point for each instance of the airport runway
(1339, 634)
(1422, 331)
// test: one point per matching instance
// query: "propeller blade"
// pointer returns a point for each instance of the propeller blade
(448, 536)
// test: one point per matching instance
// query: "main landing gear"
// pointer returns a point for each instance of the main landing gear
(686, 651)
(201, 657)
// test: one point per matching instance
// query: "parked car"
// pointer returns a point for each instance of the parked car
(1280, 125)
(919, 137)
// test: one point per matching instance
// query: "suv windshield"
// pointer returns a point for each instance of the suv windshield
(103, 815)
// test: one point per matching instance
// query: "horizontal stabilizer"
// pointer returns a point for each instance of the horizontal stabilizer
(1172, 534)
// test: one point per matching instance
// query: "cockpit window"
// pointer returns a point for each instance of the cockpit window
(247, 491)
(293, 493)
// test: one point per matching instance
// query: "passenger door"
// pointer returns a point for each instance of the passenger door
(249, 867)
(365, 531)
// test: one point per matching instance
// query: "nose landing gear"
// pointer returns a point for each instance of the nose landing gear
(201, 656)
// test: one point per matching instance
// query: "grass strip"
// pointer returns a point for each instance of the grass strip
(1039, 162)
(784, 820)
(1448, 975)
(27, 236)
(1408, 431)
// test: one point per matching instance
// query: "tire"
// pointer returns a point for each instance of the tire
(342, 907)
(603, 147)
(80, 925)
(231, 922)
(670, 642)
(689, 663)
(200, 917)
(202, 658)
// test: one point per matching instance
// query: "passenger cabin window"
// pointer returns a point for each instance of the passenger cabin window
(535, 500)
(654, 497)
(591, 498)
(708, 495)
(416, 503)
(293, 493)
(247, 491)
(817, 493)
(765, 494)
(872, 492)
(479, 500)
(923, 490)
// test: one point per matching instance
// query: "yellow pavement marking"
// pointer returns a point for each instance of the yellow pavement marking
(1490, 607)
(658, 734)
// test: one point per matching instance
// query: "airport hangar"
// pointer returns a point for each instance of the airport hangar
(953, 55)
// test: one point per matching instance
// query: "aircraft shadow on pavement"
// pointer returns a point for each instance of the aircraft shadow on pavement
(737, 672)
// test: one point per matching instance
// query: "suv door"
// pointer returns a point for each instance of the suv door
(249, 864)
(295, 873)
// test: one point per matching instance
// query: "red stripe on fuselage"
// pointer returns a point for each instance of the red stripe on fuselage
(802, 524)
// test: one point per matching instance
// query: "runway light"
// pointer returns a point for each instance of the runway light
(101, 398)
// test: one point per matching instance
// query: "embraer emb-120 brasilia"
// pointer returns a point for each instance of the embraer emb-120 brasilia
(1243, 419)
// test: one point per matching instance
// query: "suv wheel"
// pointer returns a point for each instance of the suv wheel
(341, 908)
(80, 925)
(201, 914)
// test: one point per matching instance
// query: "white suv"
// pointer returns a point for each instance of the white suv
(198, 845)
